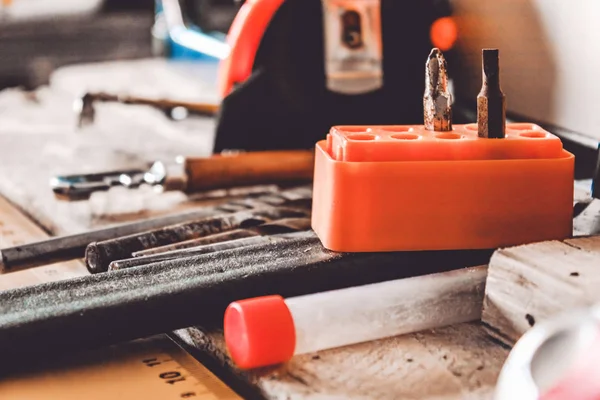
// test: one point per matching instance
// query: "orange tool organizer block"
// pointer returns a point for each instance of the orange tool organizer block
(392, 188)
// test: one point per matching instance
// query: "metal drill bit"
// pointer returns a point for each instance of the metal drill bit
(491, 102)
(437, 101)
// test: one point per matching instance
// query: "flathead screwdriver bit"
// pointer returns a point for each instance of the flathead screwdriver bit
(491, 102)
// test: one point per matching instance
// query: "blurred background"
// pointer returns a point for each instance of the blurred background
(548, 48)
(38, 36)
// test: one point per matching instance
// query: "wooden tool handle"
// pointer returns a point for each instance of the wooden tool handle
(244, 169)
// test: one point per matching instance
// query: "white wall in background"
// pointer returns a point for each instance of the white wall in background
(19, 10)
(550, 56)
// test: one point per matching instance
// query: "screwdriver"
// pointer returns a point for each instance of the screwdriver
(437, 100)
(194, 174)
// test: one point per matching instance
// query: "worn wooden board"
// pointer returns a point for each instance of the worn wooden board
(456, 362)
(531, 283)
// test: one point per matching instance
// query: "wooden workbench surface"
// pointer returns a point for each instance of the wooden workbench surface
(38, 139)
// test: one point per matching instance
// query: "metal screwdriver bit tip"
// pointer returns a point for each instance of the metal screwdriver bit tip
(437, 100)
(491, 102)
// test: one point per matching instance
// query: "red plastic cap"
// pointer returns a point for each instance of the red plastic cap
(259, 332)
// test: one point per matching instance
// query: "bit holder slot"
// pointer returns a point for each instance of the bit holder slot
(394, 188)
(414, 142)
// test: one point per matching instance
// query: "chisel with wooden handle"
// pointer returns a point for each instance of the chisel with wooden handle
(174, 109)
(190, 174)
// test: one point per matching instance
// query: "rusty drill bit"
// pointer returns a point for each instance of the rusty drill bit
(437, 101)
(491, 102)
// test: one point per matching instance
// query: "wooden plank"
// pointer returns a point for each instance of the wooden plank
(531, 283)
(456, 362)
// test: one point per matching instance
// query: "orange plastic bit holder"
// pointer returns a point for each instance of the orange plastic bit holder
(396, 188)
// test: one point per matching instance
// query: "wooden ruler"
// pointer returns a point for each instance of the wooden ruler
(152, 369)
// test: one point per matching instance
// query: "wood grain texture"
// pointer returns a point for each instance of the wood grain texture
(456, 362)
(531, 283)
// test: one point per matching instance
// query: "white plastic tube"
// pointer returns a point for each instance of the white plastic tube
(270, 330)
